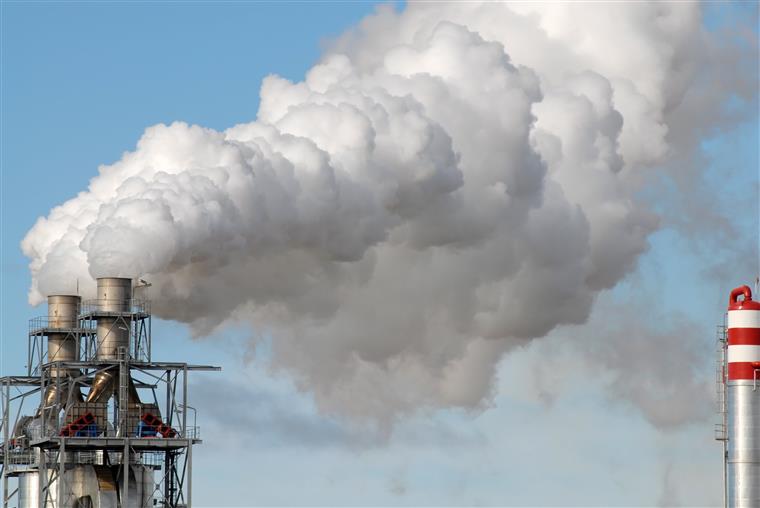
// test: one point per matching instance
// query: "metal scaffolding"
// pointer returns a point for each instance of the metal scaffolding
(51, 432)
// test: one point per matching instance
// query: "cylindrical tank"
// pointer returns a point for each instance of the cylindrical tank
(29, 491)
(113, 332)
(63, 314)
(114, 296)
(63, 311)
(89, 486)
(743, 400)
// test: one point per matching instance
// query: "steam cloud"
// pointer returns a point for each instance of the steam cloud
(448, 183)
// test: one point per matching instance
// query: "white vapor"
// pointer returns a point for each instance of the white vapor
(447, 183)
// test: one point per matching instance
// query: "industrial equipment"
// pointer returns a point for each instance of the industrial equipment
(95, 422)
(739, 399)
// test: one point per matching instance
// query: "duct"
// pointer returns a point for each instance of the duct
(52, 398)
(104, 386)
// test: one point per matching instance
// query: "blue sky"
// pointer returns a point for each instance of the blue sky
(80, 83)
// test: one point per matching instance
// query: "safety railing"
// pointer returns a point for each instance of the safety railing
(42, 324)
(191, 433)
(95, 431)
(112, 306)
(18, 456)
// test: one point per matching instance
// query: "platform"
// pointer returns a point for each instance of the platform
(115, 443)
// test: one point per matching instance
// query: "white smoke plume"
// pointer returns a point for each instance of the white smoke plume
(447, 183)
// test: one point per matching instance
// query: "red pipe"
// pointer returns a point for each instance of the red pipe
(741, 290)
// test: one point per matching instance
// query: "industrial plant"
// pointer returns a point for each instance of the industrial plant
(95, 422)
(739, 399)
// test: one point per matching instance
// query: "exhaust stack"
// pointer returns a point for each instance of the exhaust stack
(62, 346)
(114, 301)
(742, 390)
(114, 297)
(111, 450)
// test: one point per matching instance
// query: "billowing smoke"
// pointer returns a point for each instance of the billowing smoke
(448, 183)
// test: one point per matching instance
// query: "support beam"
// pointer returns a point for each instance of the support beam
(125, 479)
(189, 474)
(79, 442)
(42, 479)
(61, 473)
(6, 439)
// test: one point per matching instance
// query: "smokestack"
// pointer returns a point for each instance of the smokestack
(63, 317)
(46, 450)
(114, 302)
(114, 299)
(743, 400)
(63, 314)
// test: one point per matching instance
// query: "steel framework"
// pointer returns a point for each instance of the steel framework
(113, 437)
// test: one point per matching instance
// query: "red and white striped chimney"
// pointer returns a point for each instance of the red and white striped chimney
(743, 399)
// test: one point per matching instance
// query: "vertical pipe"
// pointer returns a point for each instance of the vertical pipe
(6, 446)
(724, 417)
(168, 460)
(42, 476)
(724, 409)
(43, 390)
(172, 399)
(167, 479)
(123, 397)
(184, 401)
(125, 468)
(168, 396)
(56, 409)
(61, 471)
(29, 351)
(189, 468)
(189, 474)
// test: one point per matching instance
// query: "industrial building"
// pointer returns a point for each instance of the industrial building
(95, 422)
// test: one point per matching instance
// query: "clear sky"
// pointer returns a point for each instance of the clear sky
(81, 82)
